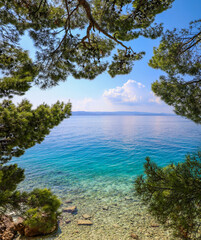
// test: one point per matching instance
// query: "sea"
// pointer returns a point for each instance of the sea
(94, 161)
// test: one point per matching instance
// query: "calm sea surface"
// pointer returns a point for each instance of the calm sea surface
(105, 153)
(93, 161)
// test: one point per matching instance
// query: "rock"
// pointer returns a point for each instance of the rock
(19, 220)
(128, 198)
(71, 209)
(19, 225)
(134, 236)
(86, 216)
(60, 223)
(67, 221)
(105, 208)
(84, 222)
(31, 232)
(82, 197)
(154, 225)
(7, 228)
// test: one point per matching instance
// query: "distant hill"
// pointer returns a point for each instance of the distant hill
(83, 113)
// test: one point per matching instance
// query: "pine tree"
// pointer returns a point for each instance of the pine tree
(179, 55)
(21, 128)
(72, 38)
(173, 195)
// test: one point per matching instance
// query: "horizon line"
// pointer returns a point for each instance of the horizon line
(121, 112)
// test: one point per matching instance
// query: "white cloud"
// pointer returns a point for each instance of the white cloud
(131, 96)
(131, 92)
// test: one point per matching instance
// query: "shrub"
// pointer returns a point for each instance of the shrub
(43, 211)
(173, 195)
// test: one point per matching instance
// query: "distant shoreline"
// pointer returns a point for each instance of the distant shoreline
(119, 113)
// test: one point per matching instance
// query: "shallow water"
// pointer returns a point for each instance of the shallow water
(94, 160)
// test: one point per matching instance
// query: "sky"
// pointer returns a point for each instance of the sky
(131, 92)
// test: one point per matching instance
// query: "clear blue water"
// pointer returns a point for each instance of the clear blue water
(105, 153)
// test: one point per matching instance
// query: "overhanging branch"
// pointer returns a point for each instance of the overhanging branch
(193, 81)
(87, 8)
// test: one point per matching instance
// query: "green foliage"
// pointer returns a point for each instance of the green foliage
(21, 128)
(173, 195)
(179, 56)
(179, 51)
(17, 68)
(186, 99)
(122, 63)
(60, 51)
(43, 211)
(10, 177)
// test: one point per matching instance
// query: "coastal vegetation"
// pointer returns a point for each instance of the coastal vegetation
(173, 193)
(21, 128)
(77, 38)
(178, 55)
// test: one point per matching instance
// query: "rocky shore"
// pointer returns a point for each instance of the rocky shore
(104, 210)
(86, 218)
(125, 219)
(7, 228)
(92, 216)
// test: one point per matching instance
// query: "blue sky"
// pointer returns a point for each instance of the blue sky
(130, 92)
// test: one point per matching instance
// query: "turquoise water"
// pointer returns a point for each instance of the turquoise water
(93, 161)
(106, 153)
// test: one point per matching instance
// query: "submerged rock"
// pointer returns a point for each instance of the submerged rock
(128, 198)
(84, 222)
(105, 208)
(86, 216)
(134, 236)
(154, 225)
(71, 209)
(67, 221)
(64, 222)
(7, 228)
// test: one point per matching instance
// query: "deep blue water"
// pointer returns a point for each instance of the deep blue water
(96, 152)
